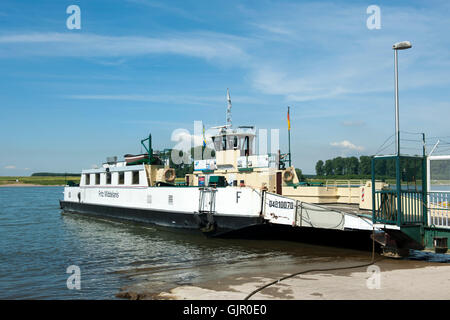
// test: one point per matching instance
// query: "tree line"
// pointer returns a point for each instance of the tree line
(410, 168)
(53, 174)
(341, 166)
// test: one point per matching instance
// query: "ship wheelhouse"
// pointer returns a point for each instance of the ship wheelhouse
(235, 139)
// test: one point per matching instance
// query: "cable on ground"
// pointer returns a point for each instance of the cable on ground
(318, 270)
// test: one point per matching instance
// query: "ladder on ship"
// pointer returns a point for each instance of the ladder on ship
(207, 208)
(207, 200)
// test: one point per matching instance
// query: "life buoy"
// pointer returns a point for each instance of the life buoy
(288, 175)
(169, 175)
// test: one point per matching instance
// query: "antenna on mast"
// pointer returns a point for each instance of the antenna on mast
(229, 122)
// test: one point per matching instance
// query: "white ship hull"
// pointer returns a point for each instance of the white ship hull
(213, 210)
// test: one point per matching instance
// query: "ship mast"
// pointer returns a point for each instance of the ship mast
(229, 122)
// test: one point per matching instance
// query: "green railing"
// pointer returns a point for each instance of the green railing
(400, 205)
(387, 207)
(412, 207)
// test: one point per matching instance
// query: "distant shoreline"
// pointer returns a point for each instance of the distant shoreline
(37, 181)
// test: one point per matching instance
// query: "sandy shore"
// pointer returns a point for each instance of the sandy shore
(398, 279)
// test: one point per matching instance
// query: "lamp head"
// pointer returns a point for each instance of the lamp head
(402, 45)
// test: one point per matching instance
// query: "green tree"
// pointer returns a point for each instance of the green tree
(299, 174)
(365, 166)
(328, 168)
(338, 165)
(380, 167)
(346, 166)
(319, 168)
(353, 165)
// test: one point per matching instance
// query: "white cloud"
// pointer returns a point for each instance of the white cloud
(329, 52)
(205, 45)
(10, 167)
(273, 29)
(186, 140)
(345, 144)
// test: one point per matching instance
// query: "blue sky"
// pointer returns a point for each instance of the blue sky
(70, 98)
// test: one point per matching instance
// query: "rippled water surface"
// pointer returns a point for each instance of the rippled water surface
(38, 243)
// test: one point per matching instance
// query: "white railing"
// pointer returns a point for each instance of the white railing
(345, 182)
(439, 208)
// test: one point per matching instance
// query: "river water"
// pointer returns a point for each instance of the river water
(38, 243)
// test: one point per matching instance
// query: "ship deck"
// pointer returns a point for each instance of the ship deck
(349, 208)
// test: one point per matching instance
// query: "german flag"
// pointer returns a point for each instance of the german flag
(288, 120)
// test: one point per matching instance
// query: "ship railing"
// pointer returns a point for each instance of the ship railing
(439, 208)
(387, 207)
(345, 183)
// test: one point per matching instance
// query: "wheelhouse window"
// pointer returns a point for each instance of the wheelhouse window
(217, 144)
(97, 178)
(87, 180)
(232, 142)
(121, 177)
(135, 177)
(246, 146)
(108, 178)
(224, 142)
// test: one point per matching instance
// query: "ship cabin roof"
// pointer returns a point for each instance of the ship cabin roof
(241, 138)
(114, 176)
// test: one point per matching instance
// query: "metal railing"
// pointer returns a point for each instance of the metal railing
(412, 207)
(345, 182)
(439, 208)
(387, 207)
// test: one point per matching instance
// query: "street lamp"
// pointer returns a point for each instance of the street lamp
(398, 46)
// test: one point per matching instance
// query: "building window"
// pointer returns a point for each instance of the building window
(87, 179)
(135, 179)
(97, 178)
(108, 178)
(121, 177)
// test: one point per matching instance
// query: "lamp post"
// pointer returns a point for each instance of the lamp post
(398, 46)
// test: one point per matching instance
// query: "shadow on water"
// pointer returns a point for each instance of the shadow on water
(262, 240)
(167, 257)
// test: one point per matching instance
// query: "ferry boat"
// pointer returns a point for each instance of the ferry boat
(235, 190)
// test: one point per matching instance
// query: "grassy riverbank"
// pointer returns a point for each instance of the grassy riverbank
(36, 180)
